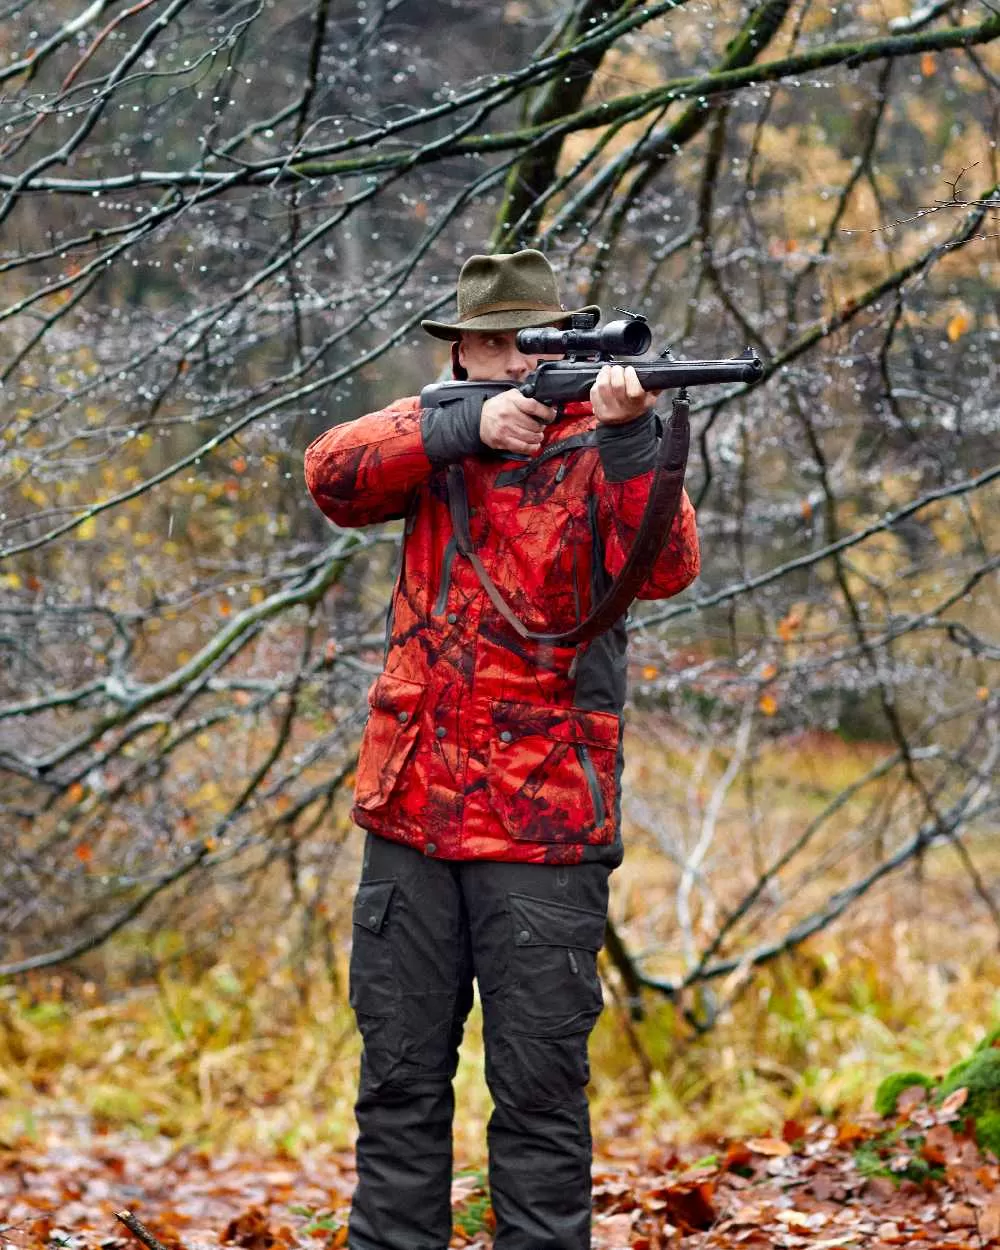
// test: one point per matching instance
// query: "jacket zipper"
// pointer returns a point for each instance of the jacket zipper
(590, 772)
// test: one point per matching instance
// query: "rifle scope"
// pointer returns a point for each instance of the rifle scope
(617, 338)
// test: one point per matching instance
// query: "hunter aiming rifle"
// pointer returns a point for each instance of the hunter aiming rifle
(587, 349)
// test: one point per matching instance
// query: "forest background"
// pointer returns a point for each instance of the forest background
(221, 223)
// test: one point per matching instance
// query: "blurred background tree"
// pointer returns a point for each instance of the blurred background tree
(221, 224)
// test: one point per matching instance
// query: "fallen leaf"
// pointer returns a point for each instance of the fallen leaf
(769, 1146)
(949, 1108)
(794, 1219)
(792, 1131)
(989, 1220)
(960, 1215)
(956, 327)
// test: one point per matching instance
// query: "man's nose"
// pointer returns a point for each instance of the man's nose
(517, 366)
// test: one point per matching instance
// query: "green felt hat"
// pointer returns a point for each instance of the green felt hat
(509, 291)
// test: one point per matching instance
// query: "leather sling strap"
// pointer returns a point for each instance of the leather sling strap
(661, 509)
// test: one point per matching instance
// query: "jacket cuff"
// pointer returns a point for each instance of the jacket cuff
(629, 449)
(452, 433)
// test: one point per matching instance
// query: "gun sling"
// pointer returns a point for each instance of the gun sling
(658, 517)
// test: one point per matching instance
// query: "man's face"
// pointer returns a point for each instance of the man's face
(493, 356)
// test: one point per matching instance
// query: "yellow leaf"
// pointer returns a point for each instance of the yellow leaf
(794, 1219)
(87, 529)
(225, 607)
(11, 581)
(983, 693)
(957, 326)
(768, 704)
(928, 64)
(788, 627)
(768, 671)
(769, 1146)
(649, 672)
(257, 595)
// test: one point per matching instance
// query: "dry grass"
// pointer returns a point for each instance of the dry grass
(255, 1046)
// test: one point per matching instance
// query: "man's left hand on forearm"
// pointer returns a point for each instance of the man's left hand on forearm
(617, 395)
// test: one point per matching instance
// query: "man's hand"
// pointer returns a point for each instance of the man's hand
(617, 395)
(511, 421)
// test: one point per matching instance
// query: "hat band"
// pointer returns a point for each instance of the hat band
(521, 305)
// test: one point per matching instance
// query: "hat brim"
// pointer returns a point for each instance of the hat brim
(513, 319)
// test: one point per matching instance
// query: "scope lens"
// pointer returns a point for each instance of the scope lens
(627, 338)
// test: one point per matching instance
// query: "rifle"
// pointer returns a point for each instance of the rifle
(557, 382)
(587, 349)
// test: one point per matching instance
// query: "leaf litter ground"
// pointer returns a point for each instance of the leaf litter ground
(811, 1187)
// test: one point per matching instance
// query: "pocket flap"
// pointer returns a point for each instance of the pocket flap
(561, 724)
(540, 922)
(371, 905)
(398, 696)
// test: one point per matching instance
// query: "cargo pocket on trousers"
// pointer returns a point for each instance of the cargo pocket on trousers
(556, 988)
(374, 989)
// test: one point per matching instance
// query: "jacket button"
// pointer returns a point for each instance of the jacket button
(451, 618)
(430, 848)
(373, 921)
(402, 717)
(506, 736)
(524, 936)
(440, 731)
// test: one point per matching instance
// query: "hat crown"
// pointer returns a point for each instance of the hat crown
(508, 291)
(507, 281)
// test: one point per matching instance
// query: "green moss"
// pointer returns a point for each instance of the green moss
(887, 1094)
(988, 1132)
(880, 1155)
(980, 1075)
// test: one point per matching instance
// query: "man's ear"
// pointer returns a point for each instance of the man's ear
(460, 351)
(457, 368)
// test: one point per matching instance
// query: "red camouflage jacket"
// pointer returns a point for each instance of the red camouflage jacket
(480, 745)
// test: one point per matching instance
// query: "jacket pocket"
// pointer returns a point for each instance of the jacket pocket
(389, 738)
(552, 772)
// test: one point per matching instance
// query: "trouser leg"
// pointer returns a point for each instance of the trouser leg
(411, 989)
(535, 932)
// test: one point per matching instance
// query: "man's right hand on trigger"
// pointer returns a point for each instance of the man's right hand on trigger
(511, 421)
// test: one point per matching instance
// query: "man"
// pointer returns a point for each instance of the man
(489, 773)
